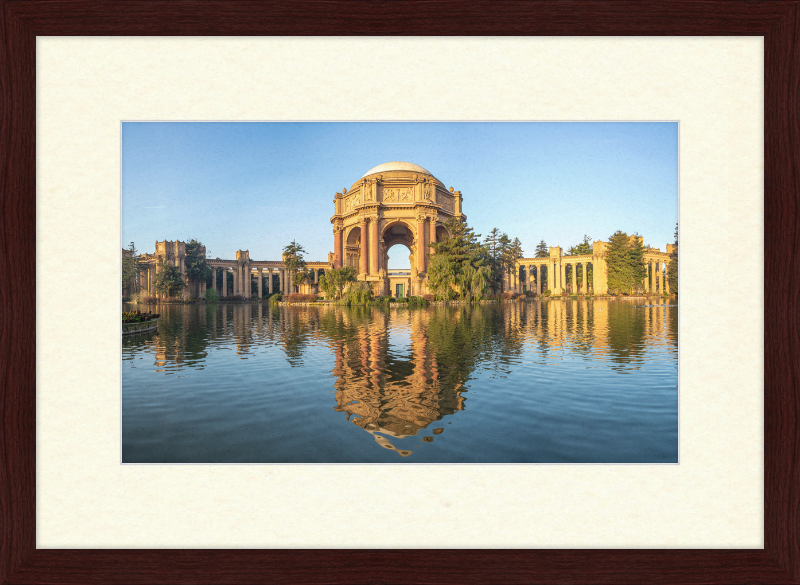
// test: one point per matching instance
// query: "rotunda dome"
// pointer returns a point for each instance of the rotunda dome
(396, 166)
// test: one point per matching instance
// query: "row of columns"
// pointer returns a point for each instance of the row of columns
(657, 272)
(557, 282)
(242, 287)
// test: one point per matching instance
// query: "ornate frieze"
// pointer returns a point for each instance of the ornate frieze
(398, 195)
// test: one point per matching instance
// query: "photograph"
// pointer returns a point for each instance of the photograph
(399, 292)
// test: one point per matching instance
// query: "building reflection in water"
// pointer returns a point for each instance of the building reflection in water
(397, 372)
(390, 388)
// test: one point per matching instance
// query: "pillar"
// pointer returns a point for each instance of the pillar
(647, 278)
(666, 289)
(270, 279)
(421, 244)
(373, 246)
(338, 252)
(260, 283)
(432, 237)
(214, 278)
(562, 280)
(280, 280)
(655, 275)
(316, 276)
(225, 282)
(577, 286)
(663, 279)
(363, 266)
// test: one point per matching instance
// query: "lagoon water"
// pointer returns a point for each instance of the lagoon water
(556, 381)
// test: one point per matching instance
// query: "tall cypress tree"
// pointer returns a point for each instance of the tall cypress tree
(542, 251)
(625, 261)
(672, 267)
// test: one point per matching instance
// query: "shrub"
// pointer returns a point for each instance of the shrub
(417, 302)
(359, 293)
(392, 300)
(276, 298)
(301, 298)
(428, 298)
(402, 299)
(138, 316)
(212, 295)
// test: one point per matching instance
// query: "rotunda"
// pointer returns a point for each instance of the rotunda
(393, 203)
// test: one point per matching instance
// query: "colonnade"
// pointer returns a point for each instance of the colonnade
(557, 266)
(242, 287)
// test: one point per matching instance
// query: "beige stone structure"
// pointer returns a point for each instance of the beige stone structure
(557, 272)
(393, 203)
(245, 271)
(398, 203)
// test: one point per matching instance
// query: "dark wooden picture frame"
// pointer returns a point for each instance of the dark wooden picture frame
(778, 21)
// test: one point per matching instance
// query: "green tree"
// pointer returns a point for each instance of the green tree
(493, 262)
(332, 282)
(130, 268)
(625, 261)
(636, 262)
(168, 281)
(585, 247)
(542, 251)
(453, 258)
(672, 267)
(295, 263)
(196, 267)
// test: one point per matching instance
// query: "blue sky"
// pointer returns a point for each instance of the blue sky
(259, 185)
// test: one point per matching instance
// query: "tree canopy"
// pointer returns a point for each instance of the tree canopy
(196, 267)
(130, 268)
(672, 267)
(332, 282)
(168, 280)
(585, 247)
(455, 262)
(542, 251)
(294, 262)
(625, 261)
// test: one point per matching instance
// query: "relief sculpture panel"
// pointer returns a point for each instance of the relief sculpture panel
(447, 203)
(398, 195)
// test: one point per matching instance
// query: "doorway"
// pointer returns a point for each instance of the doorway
(399, 290)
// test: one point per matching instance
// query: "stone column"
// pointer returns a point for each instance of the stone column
(562, 276)
(421, 244)
(338, 250)
(647, 278)
(539, 279)
(666, 282)
(225, 282)
(269, 280)
(577, 287)
(363, 258)
(373, 246)
(260, 283)
(663, 278)
(316, 276)
(655, 275)
(280, 280)
(214, 278)
(432, 238)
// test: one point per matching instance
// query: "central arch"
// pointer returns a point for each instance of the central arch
(393, 203)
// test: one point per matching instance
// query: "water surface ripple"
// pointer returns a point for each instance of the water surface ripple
(558, 381)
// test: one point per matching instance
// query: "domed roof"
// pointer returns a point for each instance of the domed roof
(396, 166)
